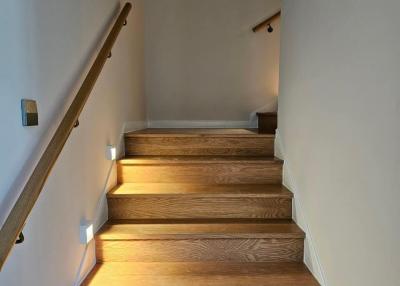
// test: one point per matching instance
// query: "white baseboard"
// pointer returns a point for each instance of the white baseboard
(278, 152)
(134, 125)
(199, 124)
(311, 257)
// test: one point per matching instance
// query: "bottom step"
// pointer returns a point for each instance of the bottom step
(200, 274)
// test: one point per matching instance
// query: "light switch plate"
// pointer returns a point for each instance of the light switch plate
(29, 112)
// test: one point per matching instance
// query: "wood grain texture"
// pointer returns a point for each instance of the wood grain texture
(201, 250)
(167, 201)
(164, 207)
(173, 146)
(27, 199)
(188, 159)
(201, 190)
(200, 274)
(200, 268)
(198, 229)
(175, 142)
(205, 241)
(200, 170)
(197, 132)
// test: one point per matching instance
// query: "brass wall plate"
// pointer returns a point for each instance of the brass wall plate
(29, 112)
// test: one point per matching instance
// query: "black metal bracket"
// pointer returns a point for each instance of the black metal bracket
(125, 22)
(110, 55)
(76, 123)
(20, 238)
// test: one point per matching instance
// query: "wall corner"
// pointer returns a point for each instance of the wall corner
(311, 257)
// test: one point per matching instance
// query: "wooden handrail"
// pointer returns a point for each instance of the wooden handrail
(266, 22)
(32, 189)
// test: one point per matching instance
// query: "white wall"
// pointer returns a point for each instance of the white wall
(339, 115)
(46, 47)
(203, 62)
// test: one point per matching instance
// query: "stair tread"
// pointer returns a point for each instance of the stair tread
(139, 160)
(197, 132)
(202, 190)
(200, 273)
(192, 229)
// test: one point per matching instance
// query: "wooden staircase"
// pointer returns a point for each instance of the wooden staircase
(200, 207)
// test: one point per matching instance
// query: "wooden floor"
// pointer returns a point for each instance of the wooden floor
(200, 207)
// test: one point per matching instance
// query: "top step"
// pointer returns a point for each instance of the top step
(197, 132)
(199, 142)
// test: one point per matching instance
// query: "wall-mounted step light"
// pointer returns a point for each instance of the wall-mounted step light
(86, 232)
(111, 152)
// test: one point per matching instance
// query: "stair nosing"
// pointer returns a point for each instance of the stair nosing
(175, 134)
(250, 136)
(285, 193)
(208, 236)
(193, 160)
(202, 195)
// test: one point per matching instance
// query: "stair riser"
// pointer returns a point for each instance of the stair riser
(218, 173)
(233, 250)
(194, 146)
(181, 207)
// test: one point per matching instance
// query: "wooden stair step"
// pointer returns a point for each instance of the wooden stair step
(183, 141)
(201, 190)
(163, 201)
(200, 169)
(195, 132)
(194, 229)
(188, 160)
(127, 240)
(199, 274)
(267, 122)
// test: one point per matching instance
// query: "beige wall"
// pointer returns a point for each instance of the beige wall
(204, 63)
(339, 116)
(48, 42)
